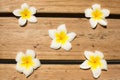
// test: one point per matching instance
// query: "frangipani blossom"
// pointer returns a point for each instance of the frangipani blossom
(27, 62)
(94, 61)
(97, 15)
(25, 13)
(61, 38)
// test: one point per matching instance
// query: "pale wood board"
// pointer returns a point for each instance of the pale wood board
(14, 38)
(60, 6)
(58, 72)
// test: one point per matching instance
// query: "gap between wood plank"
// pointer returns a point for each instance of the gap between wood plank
(12, 61)
(61, 15)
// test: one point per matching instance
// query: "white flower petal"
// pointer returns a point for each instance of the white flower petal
(93, 23)
(22, 21)
(106, 12)
(104, 63)
(52, 33)
(30, 52)
(33, 10)
(84, 65)
(71, 36)
(24, 5)
(62, 28)
(102, 22)
(27, 72)
(100, 54)
(96, 6)
(19, 55)
(88, 12)
(19, 68)
(32, 19)
(17, 12)
(96, 72)
(55, 45)
(37, 63)
(67, 46)
(88, 54)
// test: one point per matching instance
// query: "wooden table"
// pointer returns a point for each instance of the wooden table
(59, 64)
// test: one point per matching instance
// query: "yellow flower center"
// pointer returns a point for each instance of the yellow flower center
(97, 14)
(94, 62)
(61, 37)
(25, 13)
(27, 62)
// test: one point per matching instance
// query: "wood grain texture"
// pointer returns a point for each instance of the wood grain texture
(60, 6)
(14, 38)
(58, 72)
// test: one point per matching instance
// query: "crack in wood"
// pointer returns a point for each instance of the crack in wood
(12, 61)
(60, 15)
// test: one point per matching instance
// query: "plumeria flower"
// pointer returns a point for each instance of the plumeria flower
(97, 15)
(94, 61)
(25, 13)
(61, 38)
(27, 62)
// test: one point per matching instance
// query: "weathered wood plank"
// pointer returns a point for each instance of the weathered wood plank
(60, 6)
(14, 38)
(58, 72)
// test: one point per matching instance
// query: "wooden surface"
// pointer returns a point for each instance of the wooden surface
(58, 72)
(35, 36)
(60, 6)
(59, 64)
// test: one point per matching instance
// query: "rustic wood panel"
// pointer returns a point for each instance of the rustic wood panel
(60, 6)
(58, 72)
(14, 38)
